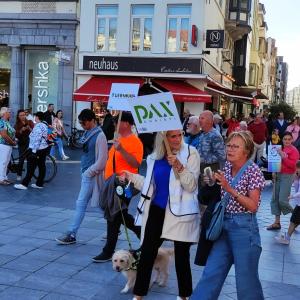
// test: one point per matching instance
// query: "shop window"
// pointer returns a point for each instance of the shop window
(5, 65)
(41, 79)
(178, 38)
(107, 27)
(253, 73)
(141, 27)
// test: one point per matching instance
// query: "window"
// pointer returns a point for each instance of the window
(107, 27)
(178, 28)
(141, 24)
(253, 72)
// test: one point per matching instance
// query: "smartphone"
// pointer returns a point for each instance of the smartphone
(208, 172)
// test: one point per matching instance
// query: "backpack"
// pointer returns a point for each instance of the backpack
(51, 135)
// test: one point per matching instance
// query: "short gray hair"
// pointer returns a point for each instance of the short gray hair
(3, 111)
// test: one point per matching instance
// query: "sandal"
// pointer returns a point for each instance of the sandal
(274, 226)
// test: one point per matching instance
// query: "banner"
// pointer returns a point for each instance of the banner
(120, 94)
(156, 112)
(274, 159)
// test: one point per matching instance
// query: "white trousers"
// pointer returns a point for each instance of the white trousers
(5, 153)
(258, 151)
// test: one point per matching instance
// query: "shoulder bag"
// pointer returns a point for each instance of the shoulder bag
(215, 227)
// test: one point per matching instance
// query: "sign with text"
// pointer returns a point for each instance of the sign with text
(214, 38)
(274, 159)
(120, 94)
(156, 112)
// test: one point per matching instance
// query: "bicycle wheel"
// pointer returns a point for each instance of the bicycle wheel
(51, 169)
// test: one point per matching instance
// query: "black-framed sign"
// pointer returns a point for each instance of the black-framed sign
(142, 64)
(214, 38)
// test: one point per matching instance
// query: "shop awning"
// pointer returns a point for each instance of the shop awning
(97, 89)
(228, 92)
(183, 91)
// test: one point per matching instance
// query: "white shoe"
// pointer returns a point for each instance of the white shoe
(33, 185)
(179, 298)
(65, 157)
(19, 178)
(283, 239)
(20, 186)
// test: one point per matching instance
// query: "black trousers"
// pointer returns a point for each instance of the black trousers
(33, 161)
(113, 228)
(151, 243)
(22, 147)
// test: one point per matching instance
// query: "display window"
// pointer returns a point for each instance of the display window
(41, 78)
(5, 66)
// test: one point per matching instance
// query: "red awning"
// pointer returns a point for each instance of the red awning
(183, 91)
(97, 89)
(228, 92)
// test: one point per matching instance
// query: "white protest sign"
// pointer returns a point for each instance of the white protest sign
(274, 159)
(120, 94)
(156, 112)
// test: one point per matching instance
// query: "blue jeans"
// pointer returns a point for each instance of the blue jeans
(240, 245)
(58, 145)
(85, 194)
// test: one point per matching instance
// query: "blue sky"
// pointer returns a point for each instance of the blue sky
(283, 19)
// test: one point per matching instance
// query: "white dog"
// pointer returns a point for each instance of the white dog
(123, 261)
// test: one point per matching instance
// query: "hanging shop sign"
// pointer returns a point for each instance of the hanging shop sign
(214, 38)
(142, 64)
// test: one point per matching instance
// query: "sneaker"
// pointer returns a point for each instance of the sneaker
(102, 257)
(66, 239)
(65, 157)
(19, 178)
(283, 239)
(33, 185)
(20, 186)
(104, 236)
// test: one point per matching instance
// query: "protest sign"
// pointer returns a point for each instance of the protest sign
(120, 94)
(274, 159)
(156, 112)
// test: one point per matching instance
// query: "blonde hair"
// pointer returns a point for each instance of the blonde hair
(160, 150)
(247, 138)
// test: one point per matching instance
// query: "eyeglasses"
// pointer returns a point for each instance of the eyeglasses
(232, 147)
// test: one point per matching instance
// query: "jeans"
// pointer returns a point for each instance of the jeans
(239, 244)
(280, 202)
(84, 196)
(5, 153)
(33, 161)
(58, 145)
(151, 243)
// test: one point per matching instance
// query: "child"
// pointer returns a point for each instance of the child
(295, 218)
(275, 137)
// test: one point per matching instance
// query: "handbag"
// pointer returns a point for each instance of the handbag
(215, 227)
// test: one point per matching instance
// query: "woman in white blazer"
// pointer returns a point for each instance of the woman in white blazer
(168, 209)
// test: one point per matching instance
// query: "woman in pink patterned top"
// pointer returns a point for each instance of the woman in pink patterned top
(239, 243)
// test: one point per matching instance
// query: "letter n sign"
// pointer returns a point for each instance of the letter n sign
(214, 38)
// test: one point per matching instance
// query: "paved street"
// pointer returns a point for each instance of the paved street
(33, 266)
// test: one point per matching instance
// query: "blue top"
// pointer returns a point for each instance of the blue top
(88, 157)
(161, 174)
(5, 125)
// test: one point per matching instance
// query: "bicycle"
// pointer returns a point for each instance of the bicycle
(74, 138)
(51, 167)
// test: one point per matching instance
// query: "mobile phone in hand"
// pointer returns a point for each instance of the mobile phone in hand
(208, 173)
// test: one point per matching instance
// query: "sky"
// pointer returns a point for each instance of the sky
(283, 19)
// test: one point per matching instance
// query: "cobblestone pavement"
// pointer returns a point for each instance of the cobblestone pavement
(33, 266)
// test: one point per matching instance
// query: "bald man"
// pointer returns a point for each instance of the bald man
(211, 146)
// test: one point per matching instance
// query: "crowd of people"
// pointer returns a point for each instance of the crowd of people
(178, 193)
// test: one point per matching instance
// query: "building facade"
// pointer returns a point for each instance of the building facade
(281, 80)
(293, 98)
(37, 46)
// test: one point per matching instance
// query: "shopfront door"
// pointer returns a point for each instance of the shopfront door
(5, 65)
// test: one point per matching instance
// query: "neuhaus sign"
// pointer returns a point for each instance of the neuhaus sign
(142, 64)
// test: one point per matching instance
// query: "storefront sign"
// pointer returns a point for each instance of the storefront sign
(156, 112)
(274, 159)
(44, 69)
(214, 38)
(120, 94)
(142, 64)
